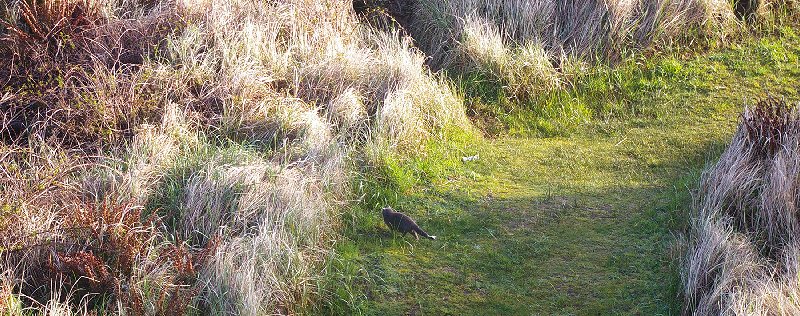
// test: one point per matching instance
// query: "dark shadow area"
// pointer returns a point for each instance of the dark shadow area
(745, 10)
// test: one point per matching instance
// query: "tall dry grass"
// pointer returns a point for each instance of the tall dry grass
(189, 156)
(583, 29)
(201, 152)
(525, 45)
(743, 254)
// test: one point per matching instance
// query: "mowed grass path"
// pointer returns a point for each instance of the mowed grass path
(585, 224)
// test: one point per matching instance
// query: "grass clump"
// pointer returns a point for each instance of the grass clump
(743, 254)
(523, 49)
(594, 30)
(66, 250)
(58, 59)
(226, 130)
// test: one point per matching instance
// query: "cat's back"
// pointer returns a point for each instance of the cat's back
(405, 222)
(391, 218)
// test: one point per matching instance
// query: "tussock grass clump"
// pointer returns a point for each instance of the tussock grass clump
(743, 257)
(587, 30)
(767, 12)
(220, 132)
(66, 250)
(526, 70)
(54, 60)
(524, 46)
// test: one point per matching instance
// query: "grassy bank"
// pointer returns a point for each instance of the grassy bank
(228, 157)
(171, 157)
(586, 221)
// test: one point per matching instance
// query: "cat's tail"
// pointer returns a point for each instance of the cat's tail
(423, 233)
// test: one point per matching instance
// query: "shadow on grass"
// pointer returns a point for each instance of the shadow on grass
(594, 235)
(587, 253)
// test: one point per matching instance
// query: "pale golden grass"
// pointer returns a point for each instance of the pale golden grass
(743, 255)
(777, 11)
(302, 80)
(524, 44)
(525, 70)
(263, 107)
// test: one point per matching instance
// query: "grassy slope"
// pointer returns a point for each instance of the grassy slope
(581, 223)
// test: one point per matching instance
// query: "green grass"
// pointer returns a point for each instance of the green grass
(574, 206)
(606, 97)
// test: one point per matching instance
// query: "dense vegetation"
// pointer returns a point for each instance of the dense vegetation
(230, 157)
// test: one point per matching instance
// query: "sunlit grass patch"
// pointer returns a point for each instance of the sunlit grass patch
(609, 194)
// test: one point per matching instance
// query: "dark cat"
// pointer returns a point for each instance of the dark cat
(402, 223)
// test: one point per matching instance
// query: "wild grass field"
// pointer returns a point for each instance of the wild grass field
(169, 157)
(590, 222)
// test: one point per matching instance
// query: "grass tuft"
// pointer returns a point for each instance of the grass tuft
(743, 255)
